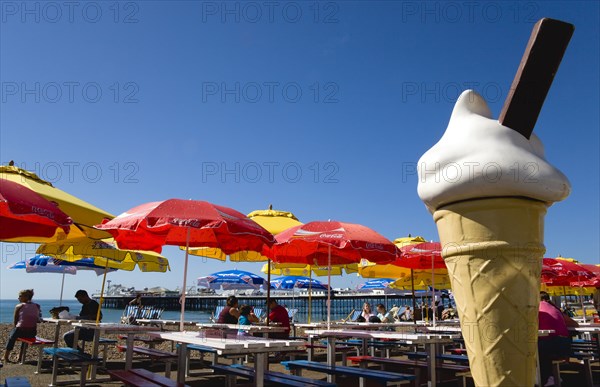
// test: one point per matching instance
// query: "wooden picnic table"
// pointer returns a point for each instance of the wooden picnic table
(239, 345)
(129, 331)
(428, 339)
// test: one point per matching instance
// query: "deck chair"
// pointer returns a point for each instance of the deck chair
(216, 313)
(352, 316)
(131, 314)
(259, 312)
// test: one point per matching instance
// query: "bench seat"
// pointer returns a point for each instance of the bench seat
(272, 377)
(143, 378)
(17, 381)
(381, 377)
(73, 357)
(39, 342)
(460, 371)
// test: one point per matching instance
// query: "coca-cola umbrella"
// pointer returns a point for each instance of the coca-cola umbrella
(188, 223)
(422, 256)
(569, 276)
(329, 243)
(562, 272)
(25, 214)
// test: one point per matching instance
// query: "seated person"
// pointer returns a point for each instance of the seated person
(407, 315)
(89, 311)
(556, 345)
(230, 313)
(25, 319)
(247, 317)
(382, 315)
(279, 315)
(367, 312)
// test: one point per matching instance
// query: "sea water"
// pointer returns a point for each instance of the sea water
(7, 308)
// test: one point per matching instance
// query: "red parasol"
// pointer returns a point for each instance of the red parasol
(187, 223)
(24, 213)
(559, 272)
(421, 256)
(326, 243)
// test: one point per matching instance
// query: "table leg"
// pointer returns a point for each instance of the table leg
(129, 352)
(76, 337)
(95, 352)
(181, 362)
(56, 335)
(432, 366)
(538, 376)
(331, 357)
(259, 369)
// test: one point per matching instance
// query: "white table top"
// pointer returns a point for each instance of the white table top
(586, 328)
(409, 338)
(232, 345)
(147, 321)
(60, 321)
(249, 328)
(348, 325)
(114, 327)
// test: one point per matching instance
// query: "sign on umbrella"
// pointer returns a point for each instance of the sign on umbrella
(231, 279)
(26, 216)
(83, 214)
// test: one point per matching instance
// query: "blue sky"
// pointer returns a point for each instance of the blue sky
(319, 108)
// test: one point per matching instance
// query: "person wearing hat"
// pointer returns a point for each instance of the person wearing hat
(89, 311)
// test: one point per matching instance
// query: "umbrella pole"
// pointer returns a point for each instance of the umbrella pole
(102, 292)
(328, 286)
(433, 292)
(268, 289)
(309, 291)
(414, 300)
(185, 267)
(62, 287)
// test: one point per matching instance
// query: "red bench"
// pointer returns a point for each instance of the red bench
(34, 341)
(143, 378)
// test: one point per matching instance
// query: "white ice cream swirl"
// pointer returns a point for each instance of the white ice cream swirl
(477, 157)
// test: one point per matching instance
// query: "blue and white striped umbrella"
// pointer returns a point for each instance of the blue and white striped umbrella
(378, 283)
(231, 279)
(300, 282)
(46, 264)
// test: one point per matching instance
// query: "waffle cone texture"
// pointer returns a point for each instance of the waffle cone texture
(493, 249)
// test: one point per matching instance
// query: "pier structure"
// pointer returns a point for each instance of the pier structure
(341, 303)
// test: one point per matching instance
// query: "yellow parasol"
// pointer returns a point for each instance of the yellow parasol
(422, 280)
(299, 269)
(84, 215)
(273, 221)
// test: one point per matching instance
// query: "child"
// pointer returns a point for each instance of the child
(26, 316)
(247, 317)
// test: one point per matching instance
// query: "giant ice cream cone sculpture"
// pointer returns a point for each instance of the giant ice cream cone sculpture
(488, 187)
